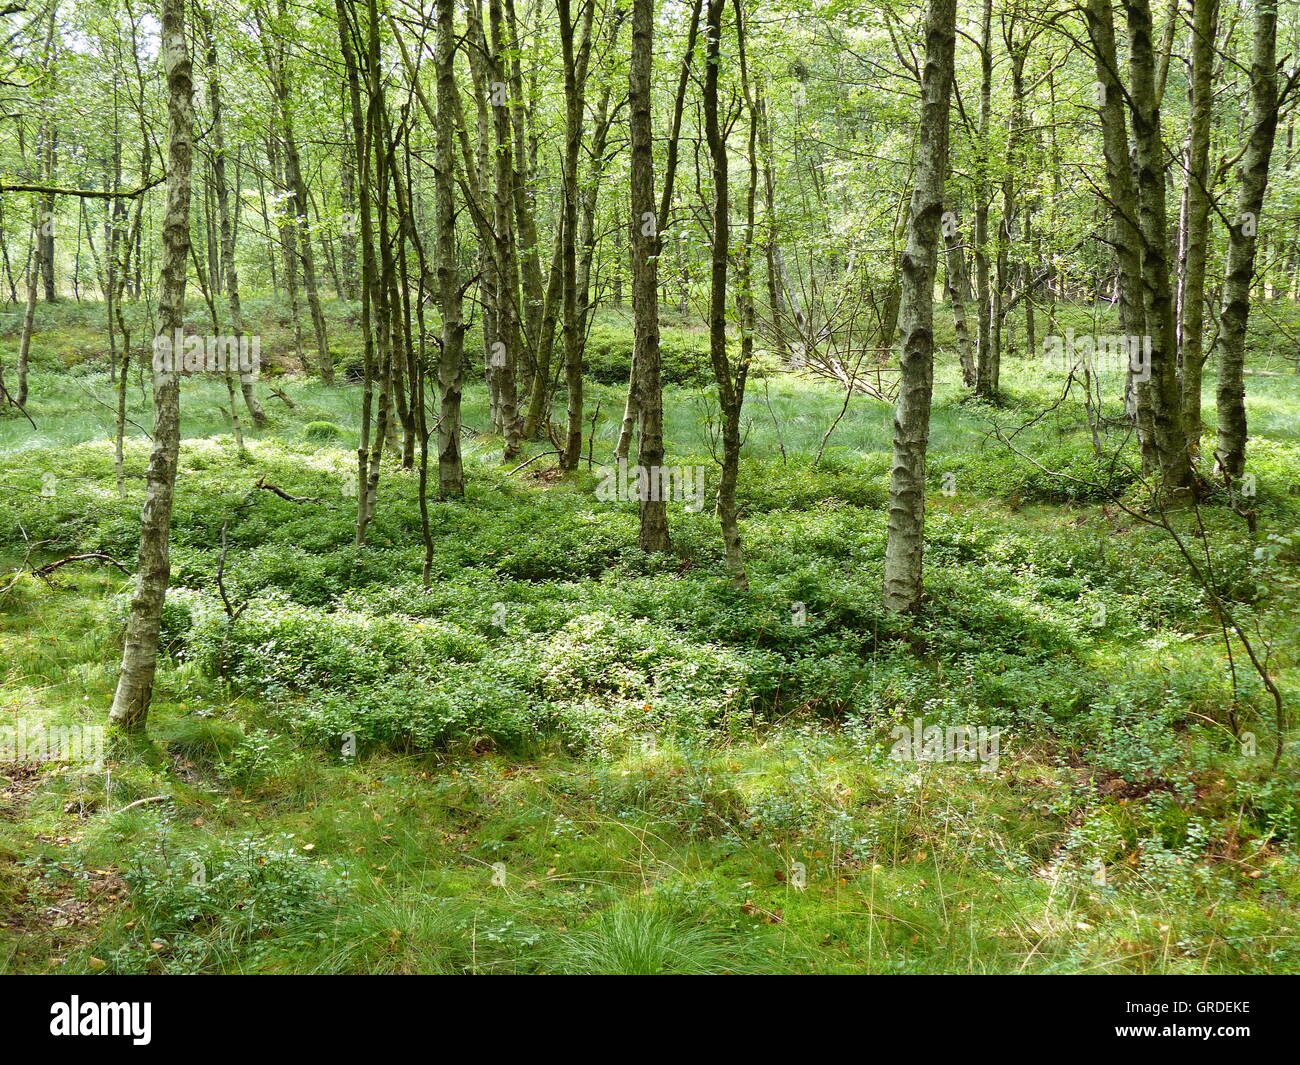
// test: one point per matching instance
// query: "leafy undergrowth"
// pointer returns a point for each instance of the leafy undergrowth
(805, 851)
(564, 756)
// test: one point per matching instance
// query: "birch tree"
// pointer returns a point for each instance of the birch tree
(134, 692)
(729, 380)
(645, 242)
(1230, 448)
(1168, 433)
(451, 474)
(905, 544)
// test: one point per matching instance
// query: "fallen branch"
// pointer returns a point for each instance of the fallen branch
(539, 455)
(141, 802)
(44, 571)
(279, 394)
(18, 573)
(262, 482)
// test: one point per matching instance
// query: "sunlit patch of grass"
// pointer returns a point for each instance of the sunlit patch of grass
(782, 840)
(632, 940)
(398, 931)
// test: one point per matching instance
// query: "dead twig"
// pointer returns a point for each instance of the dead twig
(262, 482)
(539, 455)
(97, 556)
(18, 573)
(142, 802)
(279, 394)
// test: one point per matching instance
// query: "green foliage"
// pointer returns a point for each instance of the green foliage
(487, 699)
(614, 677)
(322, 431)
(635, 941)
(220, 904)
(683, 354)
(281, 645)
(555, 693)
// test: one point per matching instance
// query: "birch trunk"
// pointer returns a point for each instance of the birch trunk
(225, 221)
(1230, 448)
(1125, 234)
(134, 692)
(1167, 428)
(730, 385)
(959, 295)
(905, 545)
(1204, 24)
(575, 81)
(662, 222)
(645, 275)
(451, 473)
(988, 369)
(505, 346)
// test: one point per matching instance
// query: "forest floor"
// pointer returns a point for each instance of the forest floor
(564, 756)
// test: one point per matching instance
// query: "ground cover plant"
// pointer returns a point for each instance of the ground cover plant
(672, 522)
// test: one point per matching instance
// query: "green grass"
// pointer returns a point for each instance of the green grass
(572, 758)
